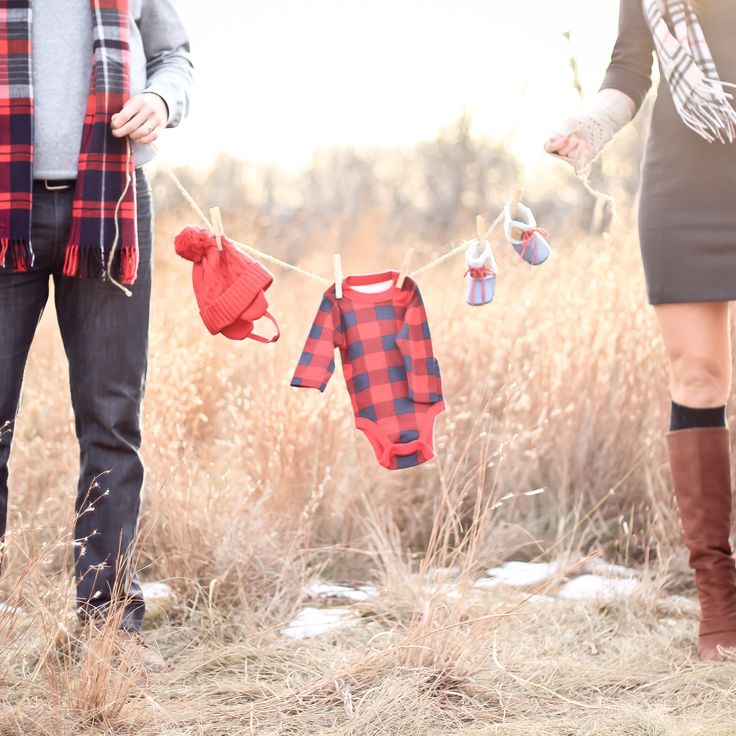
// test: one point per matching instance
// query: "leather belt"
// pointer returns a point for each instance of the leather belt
(54, 185)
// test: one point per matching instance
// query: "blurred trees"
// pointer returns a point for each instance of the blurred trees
(427, 193)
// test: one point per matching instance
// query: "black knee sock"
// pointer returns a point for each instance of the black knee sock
(685, 417)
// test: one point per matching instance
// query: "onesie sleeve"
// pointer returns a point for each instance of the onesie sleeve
(415, 344)
(630, 70)
(317, 361)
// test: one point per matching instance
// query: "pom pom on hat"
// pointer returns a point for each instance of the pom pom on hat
(193, 242)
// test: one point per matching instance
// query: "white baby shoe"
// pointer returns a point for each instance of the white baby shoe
(528, 240)
(480, 274)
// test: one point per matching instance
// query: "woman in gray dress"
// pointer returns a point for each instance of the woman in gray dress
(687, 228)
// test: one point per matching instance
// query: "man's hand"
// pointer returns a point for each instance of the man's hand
(142, 118)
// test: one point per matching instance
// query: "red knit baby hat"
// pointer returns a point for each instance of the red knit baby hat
(228, 285)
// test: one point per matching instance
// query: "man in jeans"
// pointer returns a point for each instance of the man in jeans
(75, 208)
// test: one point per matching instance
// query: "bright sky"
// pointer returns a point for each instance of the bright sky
(277, 79)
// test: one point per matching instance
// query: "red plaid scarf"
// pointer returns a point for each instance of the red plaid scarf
(102, 239)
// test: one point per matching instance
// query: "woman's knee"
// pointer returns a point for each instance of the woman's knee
(699, 381)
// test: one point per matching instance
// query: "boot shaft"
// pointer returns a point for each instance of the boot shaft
(700, 462)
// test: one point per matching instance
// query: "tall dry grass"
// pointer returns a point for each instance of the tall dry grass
(253, 488)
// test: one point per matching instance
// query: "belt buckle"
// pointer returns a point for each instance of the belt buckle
(55, 187)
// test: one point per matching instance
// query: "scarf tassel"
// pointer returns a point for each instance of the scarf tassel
(87, 263)
(710, 113)
(129, 270)
(18, 252)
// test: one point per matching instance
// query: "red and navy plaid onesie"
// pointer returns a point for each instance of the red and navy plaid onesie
(391, 373)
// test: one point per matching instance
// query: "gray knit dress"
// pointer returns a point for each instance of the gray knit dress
(687, 212)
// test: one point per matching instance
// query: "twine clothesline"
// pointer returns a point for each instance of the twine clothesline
(290, 266)
(456, 249)
(244, 246)
(499, 218)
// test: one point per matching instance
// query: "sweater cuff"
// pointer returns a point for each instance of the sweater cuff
(173, 99)
(161, 97)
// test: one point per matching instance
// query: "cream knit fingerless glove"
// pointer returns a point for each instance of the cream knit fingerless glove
(605, 115)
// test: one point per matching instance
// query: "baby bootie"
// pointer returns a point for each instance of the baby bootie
(521, 231)
(481, 273)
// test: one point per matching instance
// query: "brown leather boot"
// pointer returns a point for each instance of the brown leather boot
(700, 461)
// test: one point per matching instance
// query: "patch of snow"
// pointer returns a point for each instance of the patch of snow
(595, 586)
(520, 574)
(678, 605)
(491, 583)
(159, 599)
(327, 590)
(157, 592)
(485, 583)
(538, 598)
(315, 621)
(601, 567)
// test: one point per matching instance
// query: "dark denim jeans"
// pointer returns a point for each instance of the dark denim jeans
(105, 336)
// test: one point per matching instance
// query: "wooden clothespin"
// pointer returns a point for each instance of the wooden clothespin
(337, 267)
(516, 233)
(515, 201)
(405, 266)
(480, 228)
(217, 227)
(480, 232)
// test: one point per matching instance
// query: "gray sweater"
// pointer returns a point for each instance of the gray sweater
(62, 69)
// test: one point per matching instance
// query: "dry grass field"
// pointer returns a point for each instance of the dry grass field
(255, 490)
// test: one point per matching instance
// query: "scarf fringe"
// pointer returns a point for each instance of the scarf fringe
(16, 255)
(89, 263)
(709, 113)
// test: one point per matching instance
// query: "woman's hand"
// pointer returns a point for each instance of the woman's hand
(570, 146)
(142, 118)
(580, 139)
